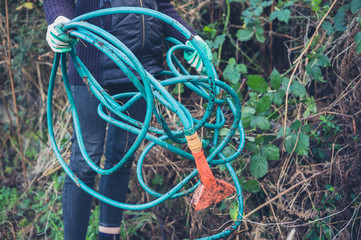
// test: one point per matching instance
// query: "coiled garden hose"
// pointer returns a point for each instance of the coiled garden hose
(219, 96)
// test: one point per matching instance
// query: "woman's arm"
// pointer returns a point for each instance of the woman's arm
(56, 8)
(164, 6)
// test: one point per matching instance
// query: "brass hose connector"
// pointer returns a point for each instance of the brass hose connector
(194, 143)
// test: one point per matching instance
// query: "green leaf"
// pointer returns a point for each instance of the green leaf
(306, 128)
(276, 79)
(280, 132)
(358, 37)
(219, 40)
(210, 29)
(257, 83)
(313, 69)
(288, 4)
(223, 132)
(233, 210)
(254, 2)
(327, 231)
(271, 152)
(311, 107)
(251, 146)
(247, 115)
(251, 186)
(258, 165)
(327, 26)
(281, 15)
(263, 104)
(303, 144)
(330, 188)
(323, 61)
(261, 122)
(233, 71)
(244, 35)
(27, 5)
(298, 89)
(339, 20)
(258, 11)
(278, 97)
(355, 6)
(178, 89)
(248, 109)
(290, 141)
(228, 151)
(260, 38)
(158, 180)
(295, 125)
(266, 3)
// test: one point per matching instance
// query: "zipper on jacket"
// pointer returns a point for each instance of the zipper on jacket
(143, 33)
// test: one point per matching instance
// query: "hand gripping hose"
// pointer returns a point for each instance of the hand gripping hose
(219, 95)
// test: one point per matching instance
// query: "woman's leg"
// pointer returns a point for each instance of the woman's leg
(115, 186)
(76, 202)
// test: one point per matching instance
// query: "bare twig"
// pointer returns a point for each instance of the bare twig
(14, 97)
(283, 193)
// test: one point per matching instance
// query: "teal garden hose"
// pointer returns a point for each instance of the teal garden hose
(207, 86)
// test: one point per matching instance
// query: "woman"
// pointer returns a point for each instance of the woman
(143, 36)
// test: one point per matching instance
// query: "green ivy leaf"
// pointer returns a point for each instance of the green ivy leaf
(263, 104)
(298, 89)
(258, 165)
(261, 122)
(251, 186)
(244, 35)
(271, 152)
(257, 83)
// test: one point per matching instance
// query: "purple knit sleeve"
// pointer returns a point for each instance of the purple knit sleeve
(55, 8)
(164, 6)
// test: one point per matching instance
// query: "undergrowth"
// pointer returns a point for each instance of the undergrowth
(296, 67)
